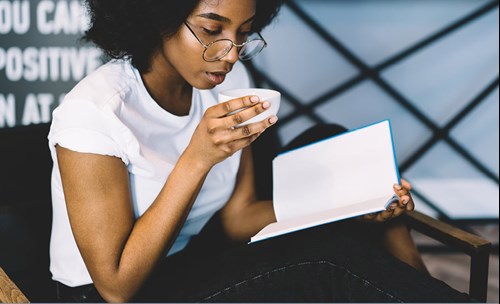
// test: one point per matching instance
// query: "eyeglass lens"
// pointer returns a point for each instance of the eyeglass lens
(251, 49)
(221, 48)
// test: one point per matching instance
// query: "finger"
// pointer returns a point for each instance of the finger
(385, 215)
(398, 211)
(242, 143)
(403, 201)
(410, 206)
(227, 107)
(406, 185)
(232, 136)
(242, 116)
(400, 190)
(369, 217)
(255, 128)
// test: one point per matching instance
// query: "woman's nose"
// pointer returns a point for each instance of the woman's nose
(232, 56)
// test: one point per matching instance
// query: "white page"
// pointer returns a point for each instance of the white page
(354, 167)
(323, 217)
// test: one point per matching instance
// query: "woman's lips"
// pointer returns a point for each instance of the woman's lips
(216, 78)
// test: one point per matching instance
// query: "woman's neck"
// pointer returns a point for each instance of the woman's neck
(168, 89)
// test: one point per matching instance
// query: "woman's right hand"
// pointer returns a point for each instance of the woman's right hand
(217, 137)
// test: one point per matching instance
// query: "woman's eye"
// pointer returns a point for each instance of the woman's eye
(210, 32)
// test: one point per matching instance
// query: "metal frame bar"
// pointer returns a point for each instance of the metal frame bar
(373, 73)
(444, 134)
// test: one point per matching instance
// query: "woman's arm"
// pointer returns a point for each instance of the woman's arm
(120, 252)
(244, 216)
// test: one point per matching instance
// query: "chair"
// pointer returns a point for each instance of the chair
(9, 292)
(25, 217)
(476, 247)
(25, 211)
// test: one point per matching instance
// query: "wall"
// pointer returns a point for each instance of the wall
(41, 57)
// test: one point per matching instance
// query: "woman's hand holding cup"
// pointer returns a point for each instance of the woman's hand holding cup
(227, 127)
(271, 96)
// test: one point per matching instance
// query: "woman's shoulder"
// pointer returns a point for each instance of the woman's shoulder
(95, 102)
(88, 120)
(111, 80)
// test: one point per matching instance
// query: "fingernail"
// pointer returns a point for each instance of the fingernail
(273, 120)
(392, 207)
(398, 187)
(266, 105)
(255, 99)
(405, 201)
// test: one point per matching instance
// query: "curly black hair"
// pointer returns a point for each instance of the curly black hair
(135, 29)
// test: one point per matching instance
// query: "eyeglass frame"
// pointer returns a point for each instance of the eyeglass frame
(206, 46)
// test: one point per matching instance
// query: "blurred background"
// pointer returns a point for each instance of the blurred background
(430, 66)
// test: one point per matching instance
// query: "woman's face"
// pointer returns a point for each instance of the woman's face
(210, 21)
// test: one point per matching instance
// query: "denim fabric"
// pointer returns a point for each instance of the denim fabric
(80, 294)
(339, 262)
(331, 263)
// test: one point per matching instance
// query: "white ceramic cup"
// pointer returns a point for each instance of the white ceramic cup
(274, 97)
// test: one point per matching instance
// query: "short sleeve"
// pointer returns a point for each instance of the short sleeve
(83, 127)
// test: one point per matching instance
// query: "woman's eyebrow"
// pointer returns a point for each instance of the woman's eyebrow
(220, 18)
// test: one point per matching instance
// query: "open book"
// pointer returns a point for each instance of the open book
(338, 178)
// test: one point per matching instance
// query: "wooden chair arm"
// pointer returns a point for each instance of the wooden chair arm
(476, 247)
(9, 292)
(447, 234)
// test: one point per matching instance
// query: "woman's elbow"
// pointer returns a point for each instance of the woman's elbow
(115, 290)
(114, 296)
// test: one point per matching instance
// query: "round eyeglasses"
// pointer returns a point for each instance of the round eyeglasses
(216, 50)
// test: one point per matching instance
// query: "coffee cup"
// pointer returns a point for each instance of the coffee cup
(273, 97)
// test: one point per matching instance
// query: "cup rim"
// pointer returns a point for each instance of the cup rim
(270, 93)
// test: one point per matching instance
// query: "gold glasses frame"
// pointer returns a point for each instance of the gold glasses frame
(227, 50)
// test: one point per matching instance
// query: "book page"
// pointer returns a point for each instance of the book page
(323, 217)
(353, 167)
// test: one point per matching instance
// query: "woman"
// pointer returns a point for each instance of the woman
(144, 156)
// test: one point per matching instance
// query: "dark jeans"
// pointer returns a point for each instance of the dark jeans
(338, 262)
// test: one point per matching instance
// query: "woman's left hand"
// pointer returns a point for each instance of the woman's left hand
(404, 205)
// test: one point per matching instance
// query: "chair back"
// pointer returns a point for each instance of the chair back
(25, 209)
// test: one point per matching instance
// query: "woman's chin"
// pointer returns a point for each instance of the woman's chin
(204, 86)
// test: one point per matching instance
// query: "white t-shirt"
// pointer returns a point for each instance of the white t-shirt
(111, 113)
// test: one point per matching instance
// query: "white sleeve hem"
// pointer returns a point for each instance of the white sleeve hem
(87, 141)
